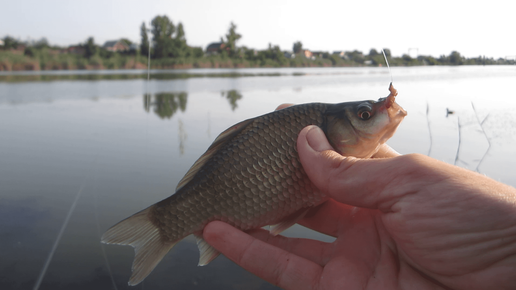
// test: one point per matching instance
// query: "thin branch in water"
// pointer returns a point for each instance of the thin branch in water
(429, 130)
(482, 123)
(458, 147)
(485, 135)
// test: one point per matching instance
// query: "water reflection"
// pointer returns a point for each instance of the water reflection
(45, 158)
(182, 137)
(165, 105)
(232, 96)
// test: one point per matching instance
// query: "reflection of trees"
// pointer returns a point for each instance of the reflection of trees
(146, 102)
(165, 104)
(232, 96)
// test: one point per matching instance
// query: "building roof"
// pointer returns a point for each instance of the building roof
(110, 43)
(214, 46)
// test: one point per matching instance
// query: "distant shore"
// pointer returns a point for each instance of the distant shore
(173, 74)
(51, 59)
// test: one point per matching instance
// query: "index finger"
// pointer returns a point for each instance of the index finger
(268, 262)
(370, 183)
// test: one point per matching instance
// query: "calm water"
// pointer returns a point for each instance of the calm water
(78, 156)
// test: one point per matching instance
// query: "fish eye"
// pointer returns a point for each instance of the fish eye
(364, 111)
(364, 115)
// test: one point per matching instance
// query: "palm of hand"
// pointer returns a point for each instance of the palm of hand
(364, 255)
(373, 250)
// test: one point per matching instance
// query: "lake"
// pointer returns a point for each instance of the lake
(79, 155)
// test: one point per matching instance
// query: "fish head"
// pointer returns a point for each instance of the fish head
(359, 128)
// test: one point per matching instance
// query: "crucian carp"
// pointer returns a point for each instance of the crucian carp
(251, 177)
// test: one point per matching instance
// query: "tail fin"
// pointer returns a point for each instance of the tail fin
(139, 232)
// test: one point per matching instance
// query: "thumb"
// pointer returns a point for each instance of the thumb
(350, 180)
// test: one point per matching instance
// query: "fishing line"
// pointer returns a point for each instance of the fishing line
(429, 130)
(58, 239)
(387, 62)
(458, 146)
(95, 203)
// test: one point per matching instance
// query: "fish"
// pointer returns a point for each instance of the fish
(251, 177)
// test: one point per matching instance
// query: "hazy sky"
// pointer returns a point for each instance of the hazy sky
(433, 27)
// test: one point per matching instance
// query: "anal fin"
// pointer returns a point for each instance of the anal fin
(206, 251)
(288, 222)
(140, 233)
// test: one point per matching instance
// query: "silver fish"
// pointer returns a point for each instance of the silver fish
(251, 176)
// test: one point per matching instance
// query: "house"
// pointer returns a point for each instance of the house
(214, 47)
(1, 42)
(308, 54)
(289, 54)
(341, 54)
(76, 49)
(115, 45)
(134, 47)
(318, 53)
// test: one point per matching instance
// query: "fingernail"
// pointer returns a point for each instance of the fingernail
(317, 140)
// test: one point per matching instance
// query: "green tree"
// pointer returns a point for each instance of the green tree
(356, 56)
(231, 38)
(298, 46)
(387, 52)
(29, 51)
(42, 43)
(162, 30)
(373, 52)
(195, 52)
(455, 58)
(276, 54)
(180, 48)
(90, 49)
(10, 42)
(144, 46)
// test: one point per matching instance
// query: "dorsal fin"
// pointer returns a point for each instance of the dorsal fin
(214, 147)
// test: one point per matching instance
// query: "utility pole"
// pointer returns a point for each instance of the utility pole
(148, 61)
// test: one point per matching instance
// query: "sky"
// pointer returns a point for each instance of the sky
(434, 28)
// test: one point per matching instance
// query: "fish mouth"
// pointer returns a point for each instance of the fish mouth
(401, 112)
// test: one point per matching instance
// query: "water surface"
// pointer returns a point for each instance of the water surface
(88, 153)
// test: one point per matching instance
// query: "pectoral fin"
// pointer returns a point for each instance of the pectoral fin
(288, 222)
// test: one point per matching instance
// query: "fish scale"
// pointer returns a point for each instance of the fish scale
(224, 176)
(251, 176)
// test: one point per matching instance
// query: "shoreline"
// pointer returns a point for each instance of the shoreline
(172, 74)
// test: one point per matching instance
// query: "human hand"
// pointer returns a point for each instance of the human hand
(403, 222)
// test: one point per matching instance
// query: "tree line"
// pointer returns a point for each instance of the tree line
(166, 44)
